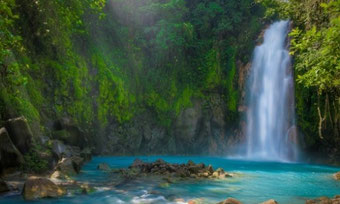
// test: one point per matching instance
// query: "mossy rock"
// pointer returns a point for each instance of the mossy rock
(37, 188)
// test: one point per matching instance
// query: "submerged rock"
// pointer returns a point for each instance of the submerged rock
(10, 156)
(196, 201)
(324, 200)
(271, 201)
(230, 201)
(104, 167)
(86, 189)
(20, 134)
(36, 188)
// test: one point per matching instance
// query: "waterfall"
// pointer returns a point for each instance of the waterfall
(271, 133)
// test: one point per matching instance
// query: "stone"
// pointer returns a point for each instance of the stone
(86, 189)
(210, 169)
(196, 201)
(137, 163)
(160, 167)
(194, 169)
(325, 200)
(68, 167)
(336, 176)
(104, 167)
(230, 201)
(160, 162)
(10, 156)
(215, 174)
(3, 186)
(37, 188)
(59, 149)
(271, 201)
(220, 171)
(58, 175)
(321, 200)
(77, 163)
(191, 163)
(20, 134)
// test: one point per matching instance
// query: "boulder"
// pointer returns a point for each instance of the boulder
(196, 201)
(68, 166)
(10, 156)
(210, 169)
(57, 175)
(230, 201)
(59, 149)
(194, 169)
(36, 188)
(86, 189)
(77, 163)
(220, 171)
(324, 200)
(336, 176)
(20, 134)
(3, 186)
(137, 163)
(191, 163)
(271, 201)
(104, 167)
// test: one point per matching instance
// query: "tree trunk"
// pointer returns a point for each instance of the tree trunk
(321, 118)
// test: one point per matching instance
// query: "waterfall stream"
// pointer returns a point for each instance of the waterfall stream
(271, 133)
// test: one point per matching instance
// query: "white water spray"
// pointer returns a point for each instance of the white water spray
(271, 133)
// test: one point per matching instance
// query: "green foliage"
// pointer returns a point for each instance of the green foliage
(232, 98)
(114, 100)
(90, 61)
(315, 45)
(34, 161)
(318, 56)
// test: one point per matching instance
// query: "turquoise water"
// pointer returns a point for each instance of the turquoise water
(253, 182)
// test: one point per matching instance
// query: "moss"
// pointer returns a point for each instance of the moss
(35, 160)
(232, 92)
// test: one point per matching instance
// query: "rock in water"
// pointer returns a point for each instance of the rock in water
(324, 200)
(230, 201)
(271, 201)
(36, 188)
(20, 133)
(70, 166)
(337, 176)
(104, 167)
(210, 169)
(162, 168)
(10, 157)
(137, 163)
(3, 186)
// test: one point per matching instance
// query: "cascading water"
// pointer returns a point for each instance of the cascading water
(271, 133)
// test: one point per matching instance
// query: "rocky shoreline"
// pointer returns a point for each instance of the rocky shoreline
(65, 156)
(33, 166)
(59, 182)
